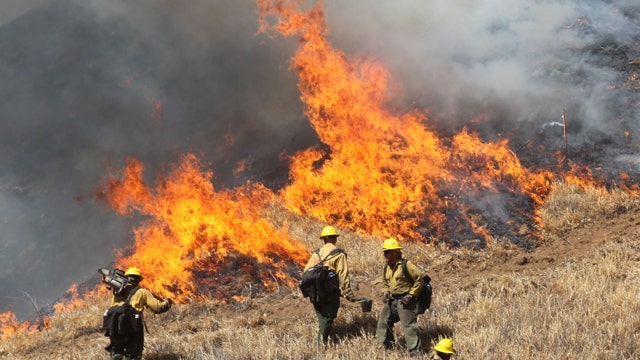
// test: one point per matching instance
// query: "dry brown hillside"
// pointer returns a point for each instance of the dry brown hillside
(493, 151)
(572, 297)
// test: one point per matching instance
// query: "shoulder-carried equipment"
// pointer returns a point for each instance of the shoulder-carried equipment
(122, 320)
(319, 283)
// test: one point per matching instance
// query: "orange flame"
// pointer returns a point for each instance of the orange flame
(10, 326)
(74, 297)
(385, 174)
(194, 229)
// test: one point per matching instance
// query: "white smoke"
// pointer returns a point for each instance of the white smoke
(528, 57)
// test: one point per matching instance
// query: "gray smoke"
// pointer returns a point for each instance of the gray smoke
(520, 60)
(12, 9)
(88, 83)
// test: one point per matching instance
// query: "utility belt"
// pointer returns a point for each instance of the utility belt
(398, 296)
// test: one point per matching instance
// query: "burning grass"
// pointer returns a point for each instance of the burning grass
(380, 174)
(195, 233)
(579, 304)
(384, 173)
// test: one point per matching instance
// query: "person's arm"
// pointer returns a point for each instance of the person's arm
(385, 280)
(152, 303)
(386, 289)
(342, 270)
(418, 280)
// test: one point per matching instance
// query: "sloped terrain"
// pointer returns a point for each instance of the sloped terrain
(284, 325)
(97, 88)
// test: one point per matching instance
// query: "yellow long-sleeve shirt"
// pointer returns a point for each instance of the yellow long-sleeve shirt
(337, 263)
(142, 299)
(394, 281)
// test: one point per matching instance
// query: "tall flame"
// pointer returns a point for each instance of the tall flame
(194, 230)
(385, 173)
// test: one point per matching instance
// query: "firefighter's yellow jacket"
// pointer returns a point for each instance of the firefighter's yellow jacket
(394, 282)
(142, 299)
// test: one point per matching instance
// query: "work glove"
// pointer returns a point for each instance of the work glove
(406, 300)
(352, 298)
(168, 301)
(385, 297)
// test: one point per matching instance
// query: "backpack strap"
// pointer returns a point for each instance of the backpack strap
(333, 253)
(131, 292)
(426, 277)
(406, 272)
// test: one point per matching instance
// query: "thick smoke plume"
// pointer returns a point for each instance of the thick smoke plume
(84, 84)
(514, 61)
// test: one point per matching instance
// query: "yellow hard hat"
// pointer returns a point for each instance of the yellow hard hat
(445, 346)
(133, 271)
(391, 244)
(328, 231)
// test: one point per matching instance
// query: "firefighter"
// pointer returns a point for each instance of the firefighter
(444, 350)
(399, 299)
(327, 309)
(130, 347)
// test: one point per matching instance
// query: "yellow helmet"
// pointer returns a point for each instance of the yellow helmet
(133, 271)
(445, 346)
(391, 244)
(328, 231)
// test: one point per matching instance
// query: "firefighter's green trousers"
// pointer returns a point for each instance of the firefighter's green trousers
(392, 312)
(326, 311)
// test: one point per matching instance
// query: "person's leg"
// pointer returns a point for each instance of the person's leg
(409, 321)
(384, 330)
(326, 313)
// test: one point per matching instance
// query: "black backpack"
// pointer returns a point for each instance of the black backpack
(424, 298)
(122, 320)
(319, 283)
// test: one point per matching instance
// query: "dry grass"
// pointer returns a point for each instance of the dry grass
(570, 206)
(583, 307)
